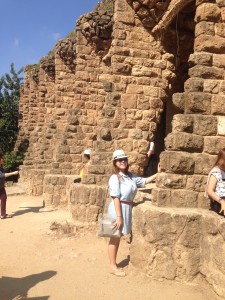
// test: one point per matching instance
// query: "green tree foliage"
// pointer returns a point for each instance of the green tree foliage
(9, 107)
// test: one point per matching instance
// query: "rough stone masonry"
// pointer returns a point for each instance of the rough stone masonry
(132, 71)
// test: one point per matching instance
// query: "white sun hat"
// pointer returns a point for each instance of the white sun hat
(87, 152)
(119, 154)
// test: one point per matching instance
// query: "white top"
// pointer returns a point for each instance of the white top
(152, 146)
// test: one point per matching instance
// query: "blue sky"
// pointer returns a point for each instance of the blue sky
(29, 29)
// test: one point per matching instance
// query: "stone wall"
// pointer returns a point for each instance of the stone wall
(179, 236)
(136, 71)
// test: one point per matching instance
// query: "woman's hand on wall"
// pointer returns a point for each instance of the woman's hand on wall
(222, 206)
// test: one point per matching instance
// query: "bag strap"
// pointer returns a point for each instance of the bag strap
(104, 201)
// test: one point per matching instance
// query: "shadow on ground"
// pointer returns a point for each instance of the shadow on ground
(124, 262)
(17, 288)
(29, 210)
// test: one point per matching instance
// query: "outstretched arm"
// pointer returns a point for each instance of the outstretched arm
(153, 177)
(11, 174)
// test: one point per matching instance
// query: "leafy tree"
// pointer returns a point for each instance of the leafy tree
(9, 107)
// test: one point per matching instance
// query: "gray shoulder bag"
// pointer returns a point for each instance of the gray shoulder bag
(107, 225)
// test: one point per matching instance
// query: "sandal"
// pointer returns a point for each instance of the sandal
(118, 272)
(6, 216)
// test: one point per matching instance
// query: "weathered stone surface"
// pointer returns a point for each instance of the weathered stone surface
(177, 233)
(194, 85)
(211, 86)
(212, 145)
(218, 105)
(184, 141)
(171, 181)
(208, 43)
(179, 101)
(200, 58)
(198, 103)
(204, 125)
(221, 125)
(177, 162)
(204, 163)
(205, 27)
(184, 198)
(196, 183)
(183, 123)
(206, 72)
(129, 101)
(109, 85)
(208, 12)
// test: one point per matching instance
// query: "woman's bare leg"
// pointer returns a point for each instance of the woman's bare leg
(113, 247)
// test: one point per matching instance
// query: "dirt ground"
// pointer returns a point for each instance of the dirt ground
(42, 263)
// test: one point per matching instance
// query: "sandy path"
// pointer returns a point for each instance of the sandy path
(38, 264)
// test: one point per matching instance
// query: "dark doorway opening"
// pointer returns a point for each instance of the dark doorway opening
(178, 39)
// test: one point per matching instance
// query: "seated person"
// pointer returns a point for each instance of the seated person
(215, 188)
(153, 161)
(86, 161)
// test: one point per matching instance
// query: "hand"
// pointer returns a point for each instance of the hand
(222, 207)
(159, 168)
(119, 222)
(16, 172)
(149, 153)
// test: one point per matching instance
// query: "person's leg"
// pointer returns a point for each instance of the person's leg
(112, 251)
(3, 198)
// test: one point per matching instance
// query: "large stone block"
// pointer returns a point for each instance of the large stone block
(218, 105)
(136, 134)
(184, 141)
(151, 91)
(205, 28)
(204, 163)
(196, 183)
(129, 101)
(172, 181)
(212, 145)
(198, 103)
(220, 29)
(183, 123)
(179, 101)
(184, 198)
(134, 89)
(194, 85)
(219, 60)
(200, 58)
(212, 241)
(118, 134)
(203, 202)
(211, 86)
(221, 3)
(208, 12)
(177, 162)
(126, 145)
(208, 43)
(161, 197)
(205, 125)
(221, 126)
(158, 228)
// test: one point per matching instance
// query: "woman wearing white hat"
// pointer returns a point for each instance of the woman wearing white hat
(87, 156)
(123, 188)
